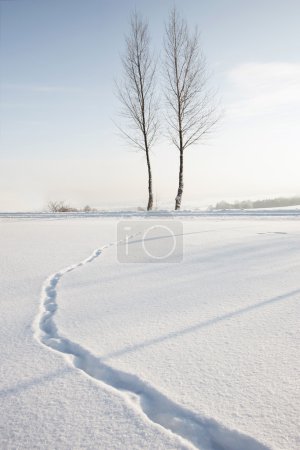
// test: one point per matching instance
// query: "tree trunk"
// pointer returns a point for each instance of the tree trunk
(150, 194)
(180, 184)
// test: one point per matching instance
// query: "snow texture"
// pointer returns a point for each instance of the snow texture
(200, 354)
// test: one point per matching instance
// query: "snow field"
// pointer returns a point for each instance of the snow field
(200, 354)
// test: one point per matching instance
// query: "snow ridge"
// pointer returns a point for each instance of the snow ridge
(195, 430)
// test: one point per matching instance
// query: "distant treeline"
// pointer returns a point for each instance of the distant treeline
(267, 203)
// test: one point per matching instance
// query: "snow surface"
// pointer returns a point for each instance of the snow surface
(268, 212)
(197, 354)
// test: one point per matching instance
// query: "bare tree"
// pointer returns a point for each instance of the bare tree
(137, 93)
(191, 111)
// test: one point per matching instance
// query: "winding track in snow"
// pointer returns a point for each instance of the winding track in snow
(201, 432)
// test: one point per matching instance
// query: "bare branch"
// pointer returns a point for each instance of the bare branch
(136, 93)
(191, 112)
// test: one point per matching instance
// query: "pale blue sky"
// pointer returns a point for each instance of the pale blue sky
(59, 60)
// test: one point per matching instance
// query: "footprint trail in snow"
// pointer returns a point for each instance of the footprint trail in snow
(195, 429)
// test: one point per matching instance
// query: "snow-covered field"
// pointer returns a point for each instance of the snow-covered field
(201, 353)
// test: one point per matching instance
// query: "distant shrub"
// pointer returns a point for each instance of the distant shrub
(60, 206)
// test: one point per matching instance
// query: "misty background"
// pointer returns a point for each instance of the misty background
(59, 61)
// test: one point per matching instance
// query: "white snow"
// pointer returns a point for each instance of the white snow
(197, 354)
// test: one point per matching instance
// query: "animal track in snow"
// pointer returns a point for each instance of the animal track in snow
(197, 430)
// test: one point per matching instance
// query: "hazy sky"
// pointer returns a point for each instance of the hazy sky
(59, 60)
